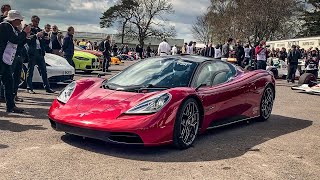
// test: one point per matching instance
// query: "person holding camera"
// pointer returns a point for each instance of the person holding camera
(10, 38)
(37, 50)
(261, 55)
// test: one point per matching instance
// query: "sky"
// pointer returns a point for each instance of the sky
(84, 14)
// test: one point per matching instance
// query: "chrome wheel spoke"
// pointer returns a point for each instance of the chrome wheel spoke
(189, 123)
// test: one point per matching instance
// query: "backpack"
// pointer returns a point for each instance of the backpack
(101, 46)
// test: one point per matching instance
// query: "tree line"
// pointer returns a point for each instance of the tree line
(256, 20)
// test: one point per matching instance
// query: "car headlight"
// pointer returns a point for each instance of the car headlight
(66, 93)
(151, 105)
(81, 58)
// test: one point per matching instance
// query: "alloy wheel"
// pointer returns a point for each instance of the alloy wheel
(189, 123)
(267, 103)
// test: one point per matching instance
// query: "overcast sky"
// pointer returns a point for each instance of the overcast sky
(84, 14)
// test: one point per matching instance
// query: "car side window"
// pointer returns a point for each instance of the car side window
(205, 75)
(224, 72)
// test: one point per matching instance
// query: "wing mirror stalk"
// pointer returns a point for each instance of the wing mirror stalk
(200, 86)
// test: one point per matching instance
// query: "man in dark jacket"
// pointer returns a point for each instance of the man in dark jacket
(9, 40)
(68, 46)
(106, 50)
(293, 60)
(239, 53)
(36, 52)
(283, 54)
(209, 51)
(46, 38)
(21, 57)
(149, 50)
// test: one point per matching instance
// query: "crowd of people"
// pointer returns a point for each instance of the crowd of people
(27, 44)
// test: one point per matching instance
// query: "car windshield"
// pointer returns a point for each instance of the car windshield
(155, 72)
(78, 48)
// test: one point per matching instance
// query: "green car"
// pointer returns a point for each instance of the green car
(86, 62)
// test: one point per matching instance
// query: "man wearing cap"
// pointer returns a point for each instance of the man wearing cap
(36, 52)
(164, 48)
(9, 40)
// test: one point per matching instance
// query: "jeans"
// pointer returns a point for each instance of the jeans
(292, 68)
(105, 64)
(261, 64)
(37, 59)
(69, 59)
(7, 80)
(17, 69)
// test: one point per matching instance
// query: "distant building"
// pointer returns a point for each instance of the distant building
(305, 43)
(132, 42)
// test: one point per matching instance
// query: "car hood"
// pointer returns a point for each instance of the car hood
(96, 53)
(96, 100)
(85, 55)
(55, 60)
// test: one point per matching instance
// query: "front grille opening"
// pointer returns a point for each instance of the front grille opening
(128, 138)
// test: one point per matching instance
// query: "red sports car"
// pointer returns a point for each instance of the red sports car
(163, 100)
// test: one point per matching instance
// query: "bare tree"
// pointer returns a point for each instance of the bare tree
(121, 13)
(251, 20)
(147, 20)
(201, 30)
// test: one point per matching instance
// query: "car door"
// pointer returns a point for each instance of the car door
(223, 98)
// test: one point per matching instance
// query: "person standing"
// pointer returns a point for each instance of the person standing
(293, 60)
(226, 48)
(261, 55)
(246, 55)
(56, 38)
(89, 46)
(217, 52)
(190, 48)
(83, 44)
(9, 40)
(283, 54)
(68, 46)
(209, 52)
(46, 38)
(164, 48)
(115, 50)
(149, 50)
(239, 53)
(36, 52)
(174, 50)
(105, 48)
(184, 48)
(17, 65)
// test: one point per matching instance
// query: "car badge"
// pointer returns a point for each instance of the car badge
(82, 114)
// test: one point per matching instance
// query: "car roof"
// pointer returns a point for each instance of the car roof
(196, 58)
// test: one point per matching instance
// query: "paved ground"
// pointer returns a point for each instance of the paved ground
(285, 147)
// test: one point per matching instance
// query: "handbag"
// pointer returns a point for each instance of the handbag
(10, 50)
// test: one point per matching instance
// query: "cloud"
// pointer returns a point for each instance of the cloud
(85, 15)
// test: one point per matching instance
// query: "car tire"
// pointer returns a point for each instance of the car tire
(266, 103)
(23, 78)
(307, 78)
(187, 124)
